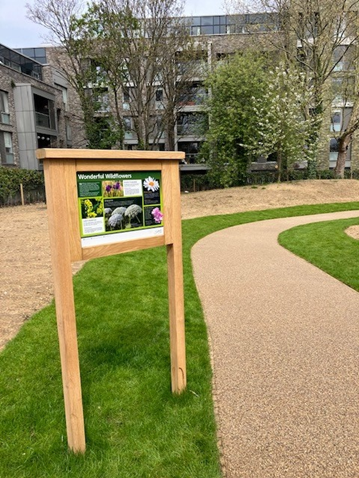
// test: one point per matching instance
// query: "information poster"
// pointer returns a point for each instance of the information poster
(119, 206)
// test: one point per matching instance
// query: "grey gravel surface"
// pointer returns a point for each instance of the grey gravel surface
(285, 348)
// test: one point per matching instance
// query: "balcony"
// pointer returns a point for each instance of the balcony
(44, 112)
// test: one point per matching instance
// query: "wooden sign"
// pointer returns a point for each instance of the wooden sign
(101, 203)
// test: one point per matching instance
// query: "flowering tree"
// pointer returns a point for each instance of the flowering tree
(283, 119)
(320, 37)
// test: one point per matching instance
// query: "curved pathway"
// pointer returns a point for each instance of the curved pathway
(285, 347)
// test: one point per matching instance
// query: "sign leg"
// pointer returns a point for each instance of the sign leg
(66, 323)
(176, 311)
(60, 234)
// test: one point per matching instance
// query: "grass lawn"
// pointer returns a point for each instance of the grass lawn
(327, 246)
(135, 427)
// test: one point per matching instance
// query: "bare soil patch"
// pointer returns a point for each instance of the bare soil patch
(25, 262)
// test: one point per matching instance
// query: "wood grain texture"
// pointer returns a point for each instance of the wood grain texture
(60, 167)
(69, 178)
(59, 231)
(123, 165)
(173, 237)
(60, 153)
(121, 247)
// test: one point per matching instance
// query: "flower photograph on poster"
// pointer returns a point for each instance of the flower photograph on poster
(151, 184)
(157, 215)
(122, 217)
(91, 208)
(133, 214)
(111, 189)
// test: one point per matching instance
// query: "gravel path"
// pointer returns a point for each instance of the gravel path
(284, 341)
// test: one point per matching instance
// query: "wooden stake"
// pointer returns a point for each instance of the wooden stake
(22, 194)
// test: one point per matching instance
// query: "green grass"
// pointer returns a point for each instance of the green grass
(327, 246)
(135, 427)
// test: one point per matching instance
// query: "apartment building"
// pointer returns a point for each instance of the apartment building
(35, 98)
(33, 107)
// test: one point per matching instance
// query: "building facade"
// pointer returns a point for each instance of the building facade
(33, 109)
(39, 108)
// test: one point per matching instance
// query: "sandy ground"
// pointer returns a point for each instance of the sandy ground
(24, 246)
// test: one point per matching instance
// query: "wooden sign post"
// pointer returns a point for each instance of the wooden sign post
(102, 203)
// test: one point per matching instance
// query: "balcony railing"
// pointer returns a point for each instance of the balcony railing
(130, 135)
(43, 120)
(187, 130)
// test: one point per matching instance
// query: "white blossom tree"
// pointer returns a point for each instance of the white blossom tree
(320, 38)
(284, 120)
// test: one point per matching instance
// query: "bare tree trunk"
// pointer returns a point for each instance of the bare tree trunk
(344, 143)
(279, 164)
(170, 134)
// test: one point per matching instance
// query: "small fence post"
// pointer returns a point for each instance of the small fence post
(22, 194)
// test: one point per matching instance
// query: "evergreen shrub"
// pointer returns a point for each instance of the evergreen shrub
(10, 180)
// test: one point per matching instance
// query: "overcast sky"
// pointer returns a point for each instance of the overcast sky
(17, 31)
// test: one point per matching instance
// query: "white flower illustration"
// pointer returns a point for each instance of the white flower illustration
(151, 184)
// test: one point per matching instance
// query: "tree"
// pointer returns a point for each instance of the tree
(318, 36)
(179, 67)
(234, 87)
(315, 36)
(70, 54)
(283, 121)
(129, 48)
(138, 44)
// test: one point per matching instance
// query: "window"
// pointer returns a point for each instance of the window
(343, 58)
(127, 124)
(207, 30)
(190, 124)
(159, 99)
(64, 96)
(336, 121)
(343, 89)
(333, 149)
(4, 108)
(126, 99)
(102, 100)
(6, 148)
(337, 88)
(195, 95)
(159, 95)
(206, 21)
(191, 149)
(195, 31)
(219, 29)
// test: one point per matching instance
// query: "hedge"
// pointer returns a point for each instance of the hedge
(10, 180)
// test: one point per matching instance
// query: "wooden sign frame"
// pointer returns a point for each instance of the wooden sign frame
(60, 168)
